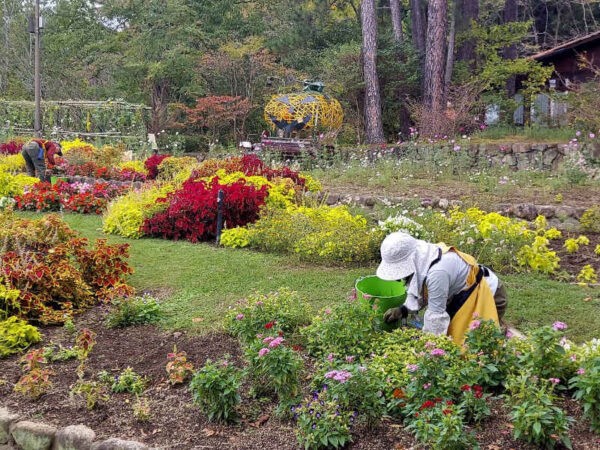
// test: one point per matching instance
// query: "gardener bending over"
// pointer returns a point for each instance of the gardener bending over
(39, 157)
(449, 283)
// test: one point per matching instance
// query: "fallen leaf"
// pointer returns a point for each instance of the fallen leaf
(198, 319)
(587, 299)
(261, 421)
(208, 432)
(493, 447)
(399, 447)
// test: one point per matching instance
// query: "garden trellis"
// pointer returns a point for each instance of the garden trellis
(66, 119)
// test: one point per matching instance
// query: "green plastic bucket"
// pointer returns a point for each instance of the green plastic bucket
(54, 179)
(382, 294)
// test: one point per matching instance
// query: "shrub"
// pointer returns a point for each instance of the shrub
(16, 335)
(42, 198)
(397, 354)
(125, 215)
(322, 234)
(192, 210)
(178, 367)
(322, 422)
(346, 329)
(152, 163)
(586, 385)
(12, 163)
(93, 392)
(129, 381)
(13, 185)
(134, 311)
(274, 367)
(11, 147)
(590, 219)
(439, 424)
(355, 387)
(215, 389)
(283, 308)
(36, 380)
(535, 418)
(176, 167)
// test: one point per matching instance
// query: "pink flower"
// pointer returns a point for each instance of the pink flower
(437, 352)
(592, 135)
(330, 357)
(412, 367)
(259, 303)
(475, 315)
(580, 371)
(426, 386)
(457, 148)
(268, 339)
(573, 358)
(350, 359)
(578, 133)
(339, 375)
(239, 316)
(559, 326)
(475, 324)
(276, 342)
(328, 311)
(554, 380)
(263, 351)
(508, 334)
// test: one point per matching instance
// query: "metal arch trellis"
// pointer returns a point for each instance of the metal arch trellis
(70, 118)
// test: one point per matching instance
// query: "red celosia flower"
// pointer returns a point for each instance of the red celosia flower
(269, 325)
(427, 404)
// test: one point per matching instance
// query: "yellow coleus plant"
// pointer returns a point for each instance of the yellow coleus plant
(538, 256)
(11, 185)
(67, 146)
(136, 165)
(12, 163)
(125, 215)
(572, 245)
(587, 275)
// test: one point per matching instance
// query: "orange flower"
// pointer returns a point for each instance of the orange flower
(398, 393)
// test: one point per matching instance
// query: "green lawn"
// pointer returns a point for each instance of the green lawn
(201, 281)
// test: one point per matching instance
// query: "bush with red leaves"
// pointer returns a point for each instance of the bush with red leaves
(11, 147)
(151, 165)
(192, 211)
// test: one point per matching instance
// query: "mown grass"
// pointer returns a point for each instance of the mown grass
(199, 282)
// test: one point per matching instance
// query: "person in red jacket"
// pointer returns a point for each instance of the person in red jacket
(39, 157)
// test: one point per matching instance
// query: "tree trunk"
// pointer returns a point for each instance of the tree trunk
(450, 52)
(373, 121)
(418, 14)
(465, 12)
(159, 101)
(433, 86)
(396, 12)
(510, 15)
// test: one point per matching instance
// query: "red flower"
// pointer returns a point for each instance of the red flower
(437, 399)
(447, 411)
(477, 388)
(269, 325)
(478, 394)
(465, 388)
(427, 404)
(280, 333)
(449, 402)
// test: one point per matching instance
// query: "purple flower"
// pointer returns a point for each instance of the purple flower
(592, 135)
(475, 324)
(508, 334)
(330, 357)
(437, 352)
(239, 316)
(554, 380)
(263, 351)
(339, 375)
(350, 359)
(580, 371)
(558, 326)
(457, 148)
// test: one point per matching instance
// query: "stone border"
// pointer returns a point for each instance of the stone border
(17, 434)
(560, 216)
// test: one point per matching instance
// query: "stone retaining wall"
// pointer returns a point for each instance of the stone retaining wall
(17, 434)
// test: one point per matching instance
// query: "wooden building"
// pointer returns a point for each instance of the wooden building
(566, 59)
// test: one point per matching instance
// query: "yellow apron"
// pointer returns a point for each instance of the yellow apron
(477, 299)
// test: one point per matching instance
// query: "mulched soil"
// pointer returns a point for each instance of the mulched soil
(175, 422)
(572, 263)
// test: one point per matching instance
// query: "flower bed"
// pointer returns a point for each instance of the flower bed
(83, 198)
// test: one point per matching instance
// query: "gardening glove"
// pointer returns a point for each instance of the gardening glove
(395, 314)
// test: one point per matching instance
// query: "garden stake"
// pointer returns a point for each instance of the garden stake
(220, 196)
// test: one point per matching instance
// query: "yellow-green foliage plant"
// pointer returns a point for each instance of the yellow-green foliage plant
(322, 234)
(11, 185)
(16, 335)
(67, 145)
(572, 244)
(538, 257)
(125, 215)
(587, 275)
(136, 165)
(177, 168)
(12, 163)
(590, 219)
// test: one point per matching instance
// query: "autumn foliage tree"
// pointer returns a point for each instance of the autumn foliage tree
(216, 114)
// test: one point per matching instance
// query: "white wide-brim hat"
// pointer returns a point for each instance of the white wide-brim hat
(397, 261)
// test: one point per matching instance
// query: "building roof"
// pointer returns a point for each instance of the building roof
(573, 43)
